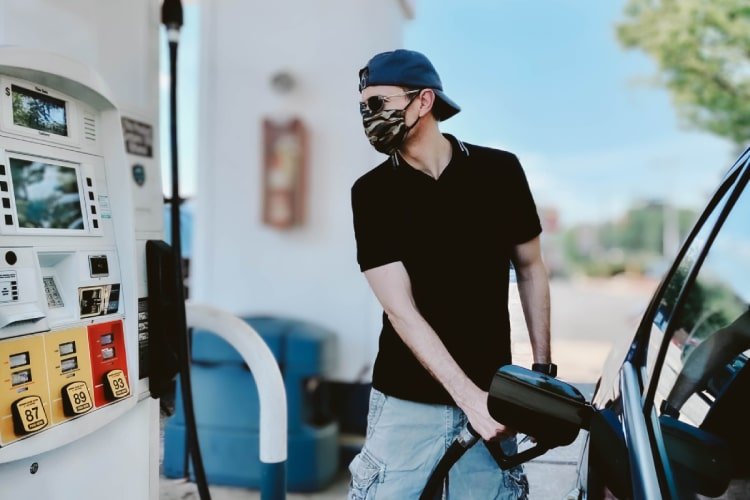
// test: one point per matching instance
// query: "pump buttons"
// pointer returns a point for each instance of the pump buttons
(115, 385)
(28, 415)
(76, 399)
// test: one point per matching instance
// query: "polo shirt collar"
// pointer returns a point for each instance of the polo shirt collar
(458, 151)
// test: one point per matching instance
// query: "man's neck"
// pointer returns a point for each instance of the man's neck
(428, 151)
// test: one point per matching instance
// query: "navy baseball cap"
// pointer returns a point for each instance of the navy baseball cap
(407, 68)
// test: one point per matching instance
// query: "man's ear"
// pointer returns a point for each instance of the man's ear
(426, 101)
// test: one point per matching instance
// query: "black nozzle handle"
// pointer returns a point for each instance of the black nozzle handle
(465, 440)
(506, 462)
(468, 436)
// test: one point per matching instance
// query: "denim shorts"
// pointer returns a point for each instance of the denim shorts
(405, 440)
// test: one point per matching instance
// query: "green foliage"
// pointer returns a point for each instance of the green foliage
(632, 243)
(702, 48)
(46, 195)
(37, 114)
(710, 305)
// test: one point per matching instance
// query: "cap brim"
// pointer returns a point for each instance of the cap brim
(445, 107)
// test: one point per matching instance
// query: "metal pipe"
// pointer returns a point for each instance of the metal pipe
(267, 376)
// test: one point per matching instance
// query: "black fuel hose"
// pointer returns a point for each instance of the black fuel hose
(171, 13)
(465, 440)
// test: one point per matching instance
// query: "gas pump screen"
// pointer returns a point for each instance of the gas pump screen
(38, 111)
(47, 196)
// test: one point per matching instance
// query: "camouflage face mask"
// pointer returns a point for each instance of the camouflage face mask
(385, 130)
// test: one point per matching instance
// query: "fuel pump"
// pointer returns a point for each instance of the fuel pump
(68, 290)
(87, 342)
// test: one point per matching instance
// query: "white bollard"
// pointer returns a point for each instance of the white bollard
(265, 370)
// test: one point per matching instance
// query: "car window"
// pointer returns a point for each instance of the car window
(673, 288)
(702, 371)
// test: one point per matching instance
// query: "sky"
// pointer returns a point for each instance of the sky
(548, 81)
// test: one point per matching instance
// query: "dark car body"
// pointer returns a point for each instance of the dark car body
(673, 402)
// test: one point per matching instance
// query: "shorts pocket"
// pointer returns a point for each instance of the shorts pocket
(377, 401)
(367, 472)
(516, 481)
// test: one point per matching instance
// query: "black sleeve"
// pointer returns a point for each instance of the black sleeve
(374, 228)
(526, 225)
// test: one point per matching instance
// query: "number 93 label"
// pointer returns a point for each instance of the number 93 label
(117, 384)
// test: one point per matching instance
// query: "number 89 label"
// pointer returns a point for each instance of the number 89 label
(77, 398)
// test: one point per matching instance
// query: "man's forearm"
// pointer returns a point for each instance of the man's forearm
(422, 340)
(392, 286)
(533, 288)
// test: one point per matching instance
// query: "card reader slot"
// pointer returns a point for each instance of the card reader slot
(15, 315)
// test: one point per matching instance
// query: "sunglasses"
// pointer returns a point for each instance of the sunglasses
(376, 103)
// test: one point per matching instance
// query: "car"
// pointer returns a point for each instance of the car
(668, 418)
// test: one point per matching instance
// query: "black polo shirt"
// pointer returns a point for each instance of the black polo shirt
(454, 236)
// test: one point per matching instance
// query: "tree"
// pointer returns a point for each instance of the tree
(633, 242)
(702, 48)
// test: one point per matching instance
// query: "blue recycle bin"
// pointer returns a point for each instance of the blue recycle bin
(227, 408)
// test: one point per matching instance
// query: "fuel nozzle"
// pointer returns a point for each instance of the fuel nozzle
(171, 16)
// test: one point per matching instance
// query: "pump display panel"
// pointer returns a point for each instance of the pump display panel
(47, 195)
(38, 111)
(33, 110)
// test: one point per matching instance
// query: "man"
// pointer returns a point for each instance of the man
(436, 226)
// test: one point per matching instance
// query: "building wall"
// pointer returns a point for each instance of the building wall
(308, 272)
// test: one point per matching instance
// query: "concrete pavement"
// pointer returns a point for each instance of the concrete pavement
(550, 476)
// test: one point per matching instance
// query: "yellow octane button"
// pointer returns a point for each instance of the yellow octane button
(28, 415)
(76, 398)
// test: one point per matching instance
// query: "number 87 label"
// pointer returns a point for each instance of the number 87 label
(29, 415)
